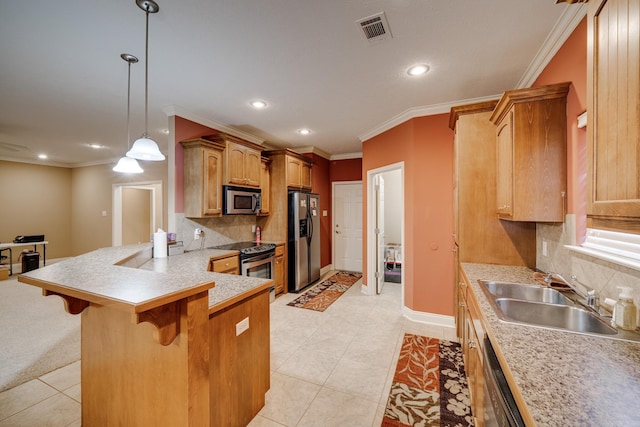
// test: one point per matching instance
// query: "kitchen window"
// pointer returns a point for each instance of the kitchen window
(619, 248)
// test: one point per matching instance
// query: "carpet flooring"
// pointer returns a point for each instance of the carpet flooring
(37, 334)
(322, 295)
(429, 386)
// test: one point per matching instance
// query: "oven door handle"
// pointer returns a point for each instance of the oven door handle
(257, 258)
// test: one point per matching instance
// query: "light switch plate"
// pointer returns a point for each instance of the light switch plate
(242, 326)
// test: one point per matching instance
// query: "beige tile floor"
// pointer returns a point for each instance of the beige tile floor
(331, 368)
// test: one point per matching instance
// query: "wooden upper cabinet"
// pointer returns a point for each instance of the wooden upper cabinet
(241, 160)
(202, 178)
(298, 173)
(481, 236)
(613, 128)
(265, 186)
(242, 165)
(531, 138)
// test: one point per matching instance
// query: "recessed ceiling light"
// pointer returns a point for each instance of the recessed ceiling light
(418, 70)
(258, 104)
(96, 146)
(304, 131)
(42, 156)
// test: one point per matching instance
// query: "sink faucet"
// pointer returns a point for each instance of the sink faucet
(591, 296)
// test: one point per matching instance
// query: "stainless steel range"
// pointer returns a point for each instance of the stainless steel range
(255, 260)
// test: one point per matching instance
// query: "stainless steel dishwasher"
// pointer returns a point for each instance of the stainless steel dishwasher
(500, 407)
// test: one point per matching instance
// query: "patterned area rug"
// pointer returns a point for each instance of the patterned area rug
(322, 295)
(429, 386)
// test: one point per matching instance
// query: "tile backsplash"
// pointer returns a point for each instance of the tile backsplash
(601, 275)
(217, 231)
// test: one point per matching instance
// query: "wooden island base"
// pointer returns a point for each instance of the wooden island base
(165, 349)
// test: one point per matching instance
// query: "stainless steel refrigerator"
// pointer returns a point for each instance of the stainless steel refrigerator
(304, 239)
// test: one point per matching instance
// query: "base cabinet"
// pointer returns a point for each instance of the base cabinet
(239, 361)
(228, 265)
(279, 269)
(471, 341)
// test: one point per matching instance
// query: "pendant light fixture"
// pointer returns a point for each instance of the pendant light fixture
(145, 148)
(128, 164)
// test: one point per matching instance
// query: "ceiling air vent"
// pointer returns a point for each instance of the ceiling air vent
(375, 28)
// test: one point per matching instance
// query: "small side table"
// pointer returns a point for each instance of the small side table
(10, 246)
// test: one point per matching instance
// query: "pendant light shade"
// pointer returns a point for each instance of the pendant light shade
(127, 164)
(146, 148)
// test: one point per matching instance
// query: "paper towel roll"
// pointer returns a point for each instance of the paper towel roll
(160, 244)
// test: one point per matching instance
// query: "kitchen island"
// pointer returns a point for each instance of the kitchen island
(163, 341)
(560, 378)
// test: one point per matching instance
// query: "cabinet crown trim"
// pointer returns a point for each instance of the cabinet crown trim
(199, 142)
(518, 96)
(460, 110)
(223, 138)
(289, 152)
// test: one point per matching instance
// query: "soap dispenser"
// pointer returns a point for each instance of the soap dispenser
(625, 310)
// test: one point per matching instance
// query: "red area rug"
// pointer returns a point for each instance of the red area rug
(322, 295)
(429, 386)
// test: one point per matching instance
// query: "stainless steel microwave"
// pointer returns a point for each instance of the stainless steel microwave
(241, 200)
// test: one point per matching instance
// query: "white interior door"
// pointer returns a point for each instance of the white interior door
(347, 226)
(380, 233)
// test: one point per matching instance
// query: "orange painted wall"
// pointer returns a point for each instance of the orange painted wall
(185, 129)
(322, 186)
(425, 145)
(346, 170)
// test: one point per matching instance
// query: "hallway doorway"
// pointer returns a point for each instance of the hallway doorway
(385, 232)
(137, 212)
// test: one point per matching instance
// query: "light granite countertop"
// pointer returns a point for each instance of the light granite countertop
(127, 277)
(228, 287)
(566, 379)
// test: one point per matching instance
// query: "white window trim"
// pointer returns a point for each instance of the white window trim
(612, 246)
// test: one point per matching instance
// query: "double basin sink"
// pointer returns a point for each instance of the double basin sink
(548, 308)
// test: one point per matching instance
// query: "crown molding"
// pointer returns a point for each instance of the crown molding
(176, 110)
(37, 162)
(414, 112)
(566, 24)
(313, 149)
(346, 156)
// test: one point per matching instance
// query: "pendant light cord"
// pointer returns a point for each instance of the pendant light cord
(146, 78)
(128, 106)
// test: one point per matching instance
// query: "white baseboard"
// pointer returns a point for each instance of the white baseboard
(324, 270)
(429, 318)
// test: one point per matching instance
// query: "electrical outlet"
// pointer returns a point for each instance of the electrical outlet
(544, 248)
(196, 233)
(242, 326)
(253, 228)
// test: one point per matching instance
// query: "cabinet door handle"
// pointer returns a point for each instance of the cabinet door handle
(461, 304)
(472, 344)
(504, 207)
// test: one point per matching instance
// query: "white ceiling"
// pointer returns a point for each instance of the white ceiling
(63, 84)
